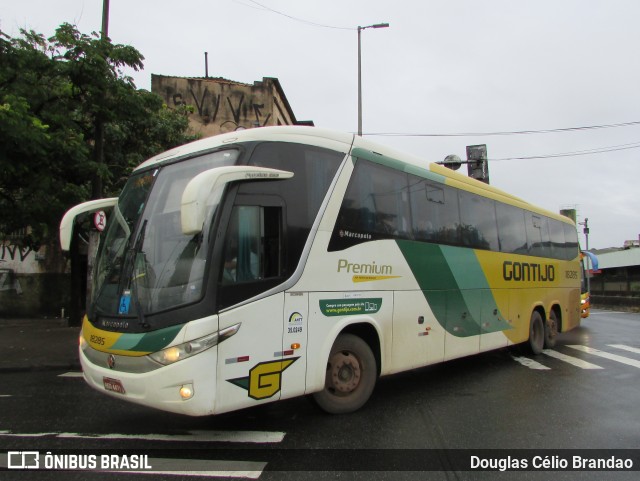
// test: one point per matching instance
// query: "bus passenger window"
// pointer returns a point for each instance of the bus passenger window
(538, 235)
(375, 207)
(512, 229)
(478, 225)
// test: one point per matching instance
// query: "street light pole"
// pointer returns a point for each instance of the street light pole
(360, 29)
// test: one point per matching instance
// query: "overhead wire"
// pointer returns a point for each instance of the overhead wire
(498, 133)
(291, 17)
(596, 150)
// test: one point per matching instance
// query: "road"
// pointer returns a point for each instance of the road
(582, 395)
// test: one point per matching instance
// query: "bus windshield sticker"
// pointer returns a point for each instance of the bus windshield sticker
(125, 302)
(350, 307)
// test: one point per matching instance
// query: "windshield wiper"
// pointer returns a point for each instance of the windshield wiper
(134, 253)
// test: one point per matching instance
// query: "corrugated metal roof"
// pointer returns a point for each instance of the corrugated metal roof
(622, 258)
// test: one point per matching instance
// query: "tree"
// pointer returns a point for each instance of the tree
(72, 125)
(39, 141)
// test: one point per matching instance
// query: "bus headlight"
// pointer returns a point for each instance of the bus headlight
(191, 348)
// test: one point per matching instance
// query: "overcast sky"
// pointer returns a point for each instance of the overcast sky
(442, 67)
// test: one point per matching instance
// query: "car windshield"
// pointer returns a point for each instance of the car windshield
(145, 263)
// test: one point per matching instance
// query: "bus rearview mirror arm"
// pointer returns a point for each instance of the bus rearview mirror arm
(66, 224)
(193, 207)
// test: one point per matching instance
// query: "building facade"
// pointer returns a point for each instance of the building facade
(33, 283)
(617, 283)
(219, 105)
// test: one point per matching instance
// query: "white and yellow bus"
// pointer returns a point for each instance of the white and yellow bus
(278, 262)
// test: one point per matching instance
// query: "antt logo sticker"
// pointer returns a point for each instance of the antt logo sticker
(265, 378)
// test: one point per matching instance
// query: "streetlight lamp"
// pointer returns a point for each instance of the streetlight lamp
(360, 29)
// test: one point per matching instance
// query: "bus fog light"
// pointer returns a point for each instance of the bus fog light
(186, 391)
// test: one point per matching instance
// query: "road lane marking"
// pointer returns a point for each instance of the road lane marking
(626, 348)
(530, 363)
(607, 355)
(571, 360)
(71, 374)
(196, 436)
(606, 313)
(258, 437)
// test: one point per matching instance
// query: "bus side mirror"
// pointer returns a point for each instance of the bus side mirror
(66, 224)
(196, 195)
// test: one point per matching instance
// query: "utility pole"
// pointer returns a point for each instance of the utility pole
(105, 19)
(97, 187)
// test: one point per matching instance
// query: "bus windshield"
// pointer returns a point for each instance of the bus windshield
(145, 263)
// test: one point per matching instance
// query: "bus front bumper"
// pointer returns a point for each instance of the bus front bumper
(185, 387)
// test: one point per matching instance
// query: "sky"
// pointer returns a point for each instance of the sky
(565, 71)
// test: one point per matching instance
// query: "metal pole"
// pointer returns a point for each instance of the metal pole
(359, 84)
(105, 19)
(586, 235)
(360, 29)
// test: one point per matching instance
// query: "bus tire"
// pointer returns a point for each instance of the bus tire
(551, 331)
(351, 376)
(536, 333)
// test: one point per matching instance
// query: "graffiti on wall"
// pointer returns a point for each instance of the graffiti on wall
(230, 110)
(10, 252)
(9, 281)
(12, 259)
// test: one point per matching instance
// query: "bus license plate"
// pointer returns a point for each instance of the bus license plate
(113, 385)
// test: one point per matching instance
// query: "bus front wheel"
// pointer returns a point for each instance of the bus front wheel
(350, 378)
(536, 333)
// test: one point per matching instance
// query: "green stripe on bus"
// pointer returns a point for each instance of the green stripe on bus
(127, 341)
(454, 285)
(398, 165)
(157, 340)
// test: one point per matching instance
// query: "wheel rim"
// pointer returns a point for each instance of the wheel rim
(344, 373)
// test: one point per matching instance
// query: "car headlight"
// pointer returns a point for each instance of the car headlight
(191, 348)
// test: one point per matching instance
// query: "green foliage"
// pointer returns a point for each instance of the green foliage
(71, 120)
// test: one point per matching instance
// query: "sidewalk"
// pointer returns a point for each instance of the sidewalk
(38, 344)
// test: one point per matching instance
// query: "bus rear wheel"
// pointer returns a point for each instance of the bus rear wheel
(551, 331)
(351, 376)
(536, 333)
